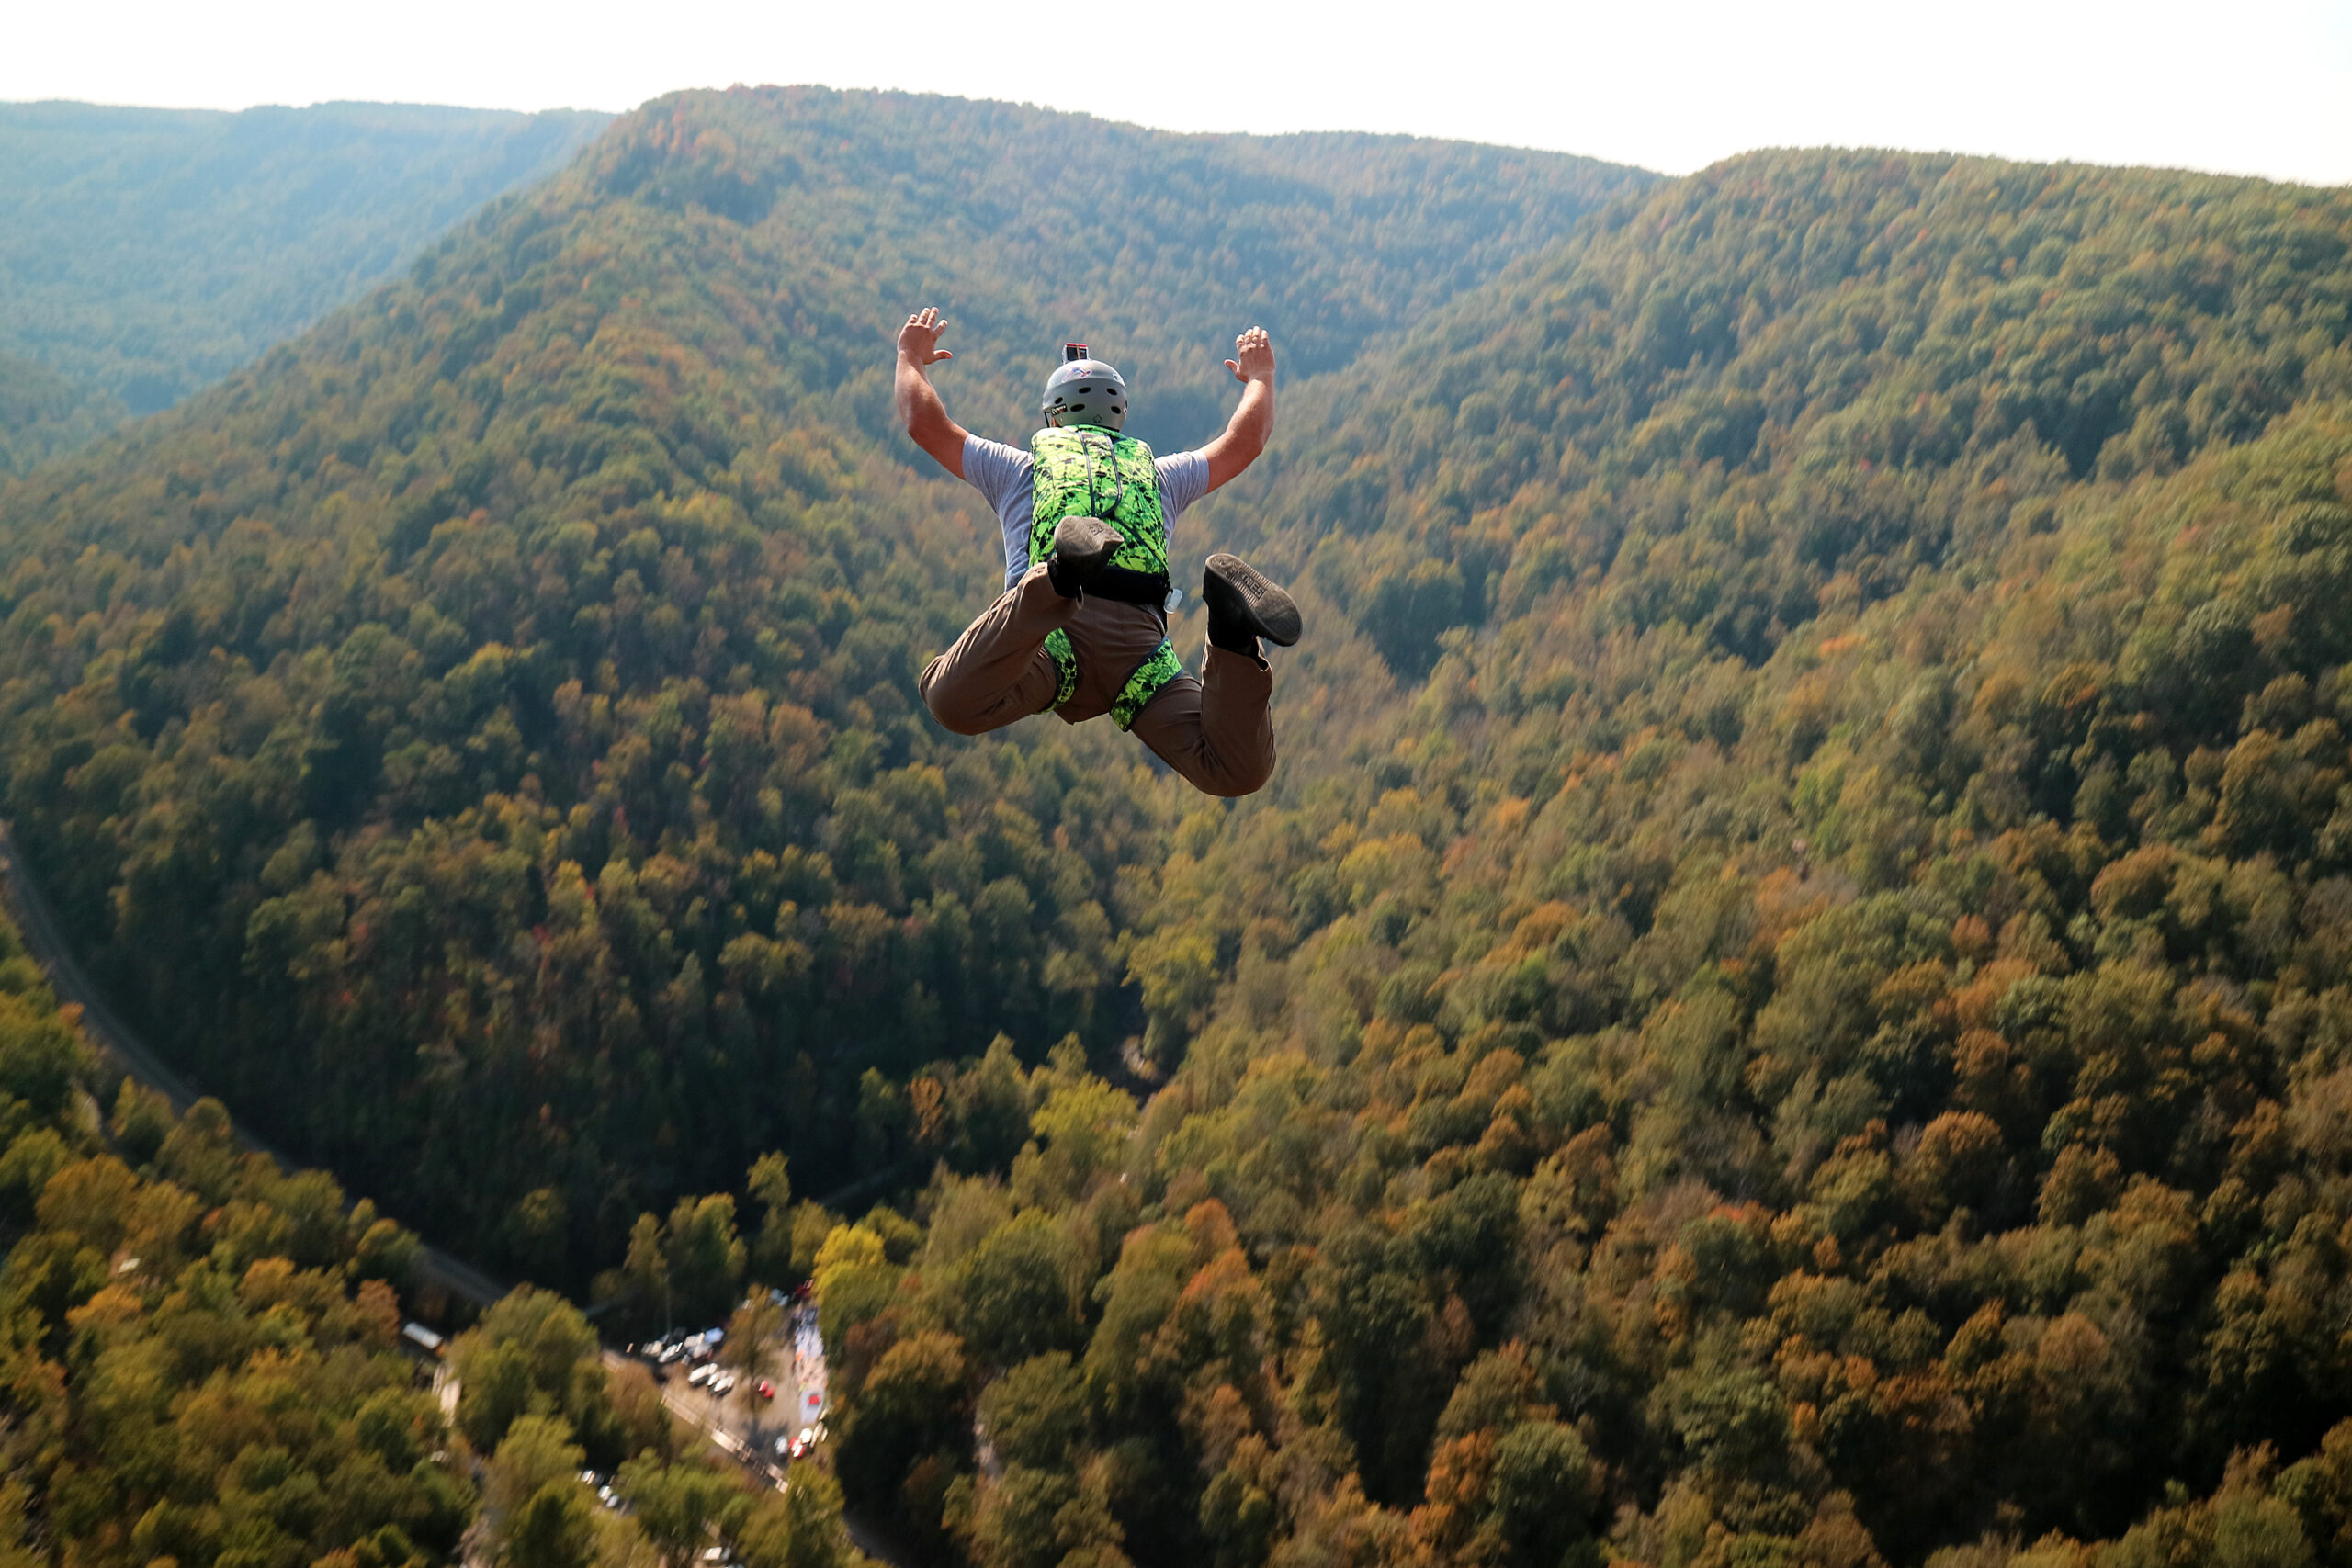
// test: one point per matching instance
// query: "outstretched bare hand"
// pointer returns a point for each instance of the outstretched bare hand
(1253, 357)
(919, 339)
(1253, 419)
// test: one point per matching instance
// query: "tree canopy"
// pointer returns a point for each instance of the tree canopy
(199, 1364)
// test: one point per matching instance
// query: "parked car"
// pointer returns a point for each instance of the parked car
(767, 1388)
(701, 1375)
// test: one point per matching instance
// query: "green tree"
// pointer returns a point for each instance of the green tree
(1017, 1293)
(537, 1453)
(553, 1528)
(913, 1406)
(754, 1334)
(1542, 1492)
(1036, 1414)
(679, 1506)
(771, 1187)
(703, 1256)
(801, 1527)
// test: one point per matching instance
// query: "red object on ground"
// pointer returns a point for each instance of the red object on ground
(767, 1389)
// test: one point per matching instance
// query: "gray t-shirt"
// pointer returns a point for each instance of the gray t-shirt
(1005, 475)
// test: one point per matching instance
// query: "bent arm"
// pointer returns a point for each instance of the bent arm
(919, 409)
(926, 418)
(1253, 423)
(1245, 435)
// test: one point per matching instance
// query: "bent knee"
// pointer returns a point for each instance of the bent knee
(961, 709)
(957, 718)
(1234, 785)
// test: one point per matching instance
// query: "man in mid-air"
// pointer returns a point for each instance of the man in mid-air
(1081, 628)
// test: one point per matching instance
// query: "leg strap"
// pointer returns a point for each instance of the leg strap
(1154, 672)
(1144, 684)
(1064, 665)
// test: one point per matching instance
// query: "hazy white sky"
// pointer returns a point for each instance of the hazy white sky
(2260, 87)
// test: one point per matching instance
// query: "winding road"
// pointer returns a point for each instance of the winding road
(105, 1030)
(108, 1032)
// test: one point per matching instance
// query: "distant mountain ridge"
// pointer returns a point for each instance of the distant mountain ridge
(1028, 226)
(147, 253)
(1785, 315)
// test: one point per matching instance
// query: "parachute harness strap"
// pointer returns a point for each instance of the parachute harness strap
(1150, 677)
(1070, 461)
(1118, 483)
(1065, 667)
(1144, 684)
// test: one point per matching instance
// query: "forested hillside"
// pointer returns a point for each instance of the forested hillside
(147, 253)
(42, 413)
(189, 1341)
(1789, 1001)
(480, 741)
(1815, 1032)
(199, 1365)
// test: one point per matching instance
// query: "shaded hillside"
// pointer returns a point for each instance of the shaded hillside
(167, 1301)
(481, 738)
(199, 1358)
(42, 412)
(147, 253)
(1817, 1032)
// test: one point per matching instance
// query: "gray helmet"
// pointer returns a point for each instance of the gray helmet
(1085, 392)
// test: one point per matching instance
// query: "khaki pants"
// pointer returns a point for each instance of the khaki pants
(1212, 731)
